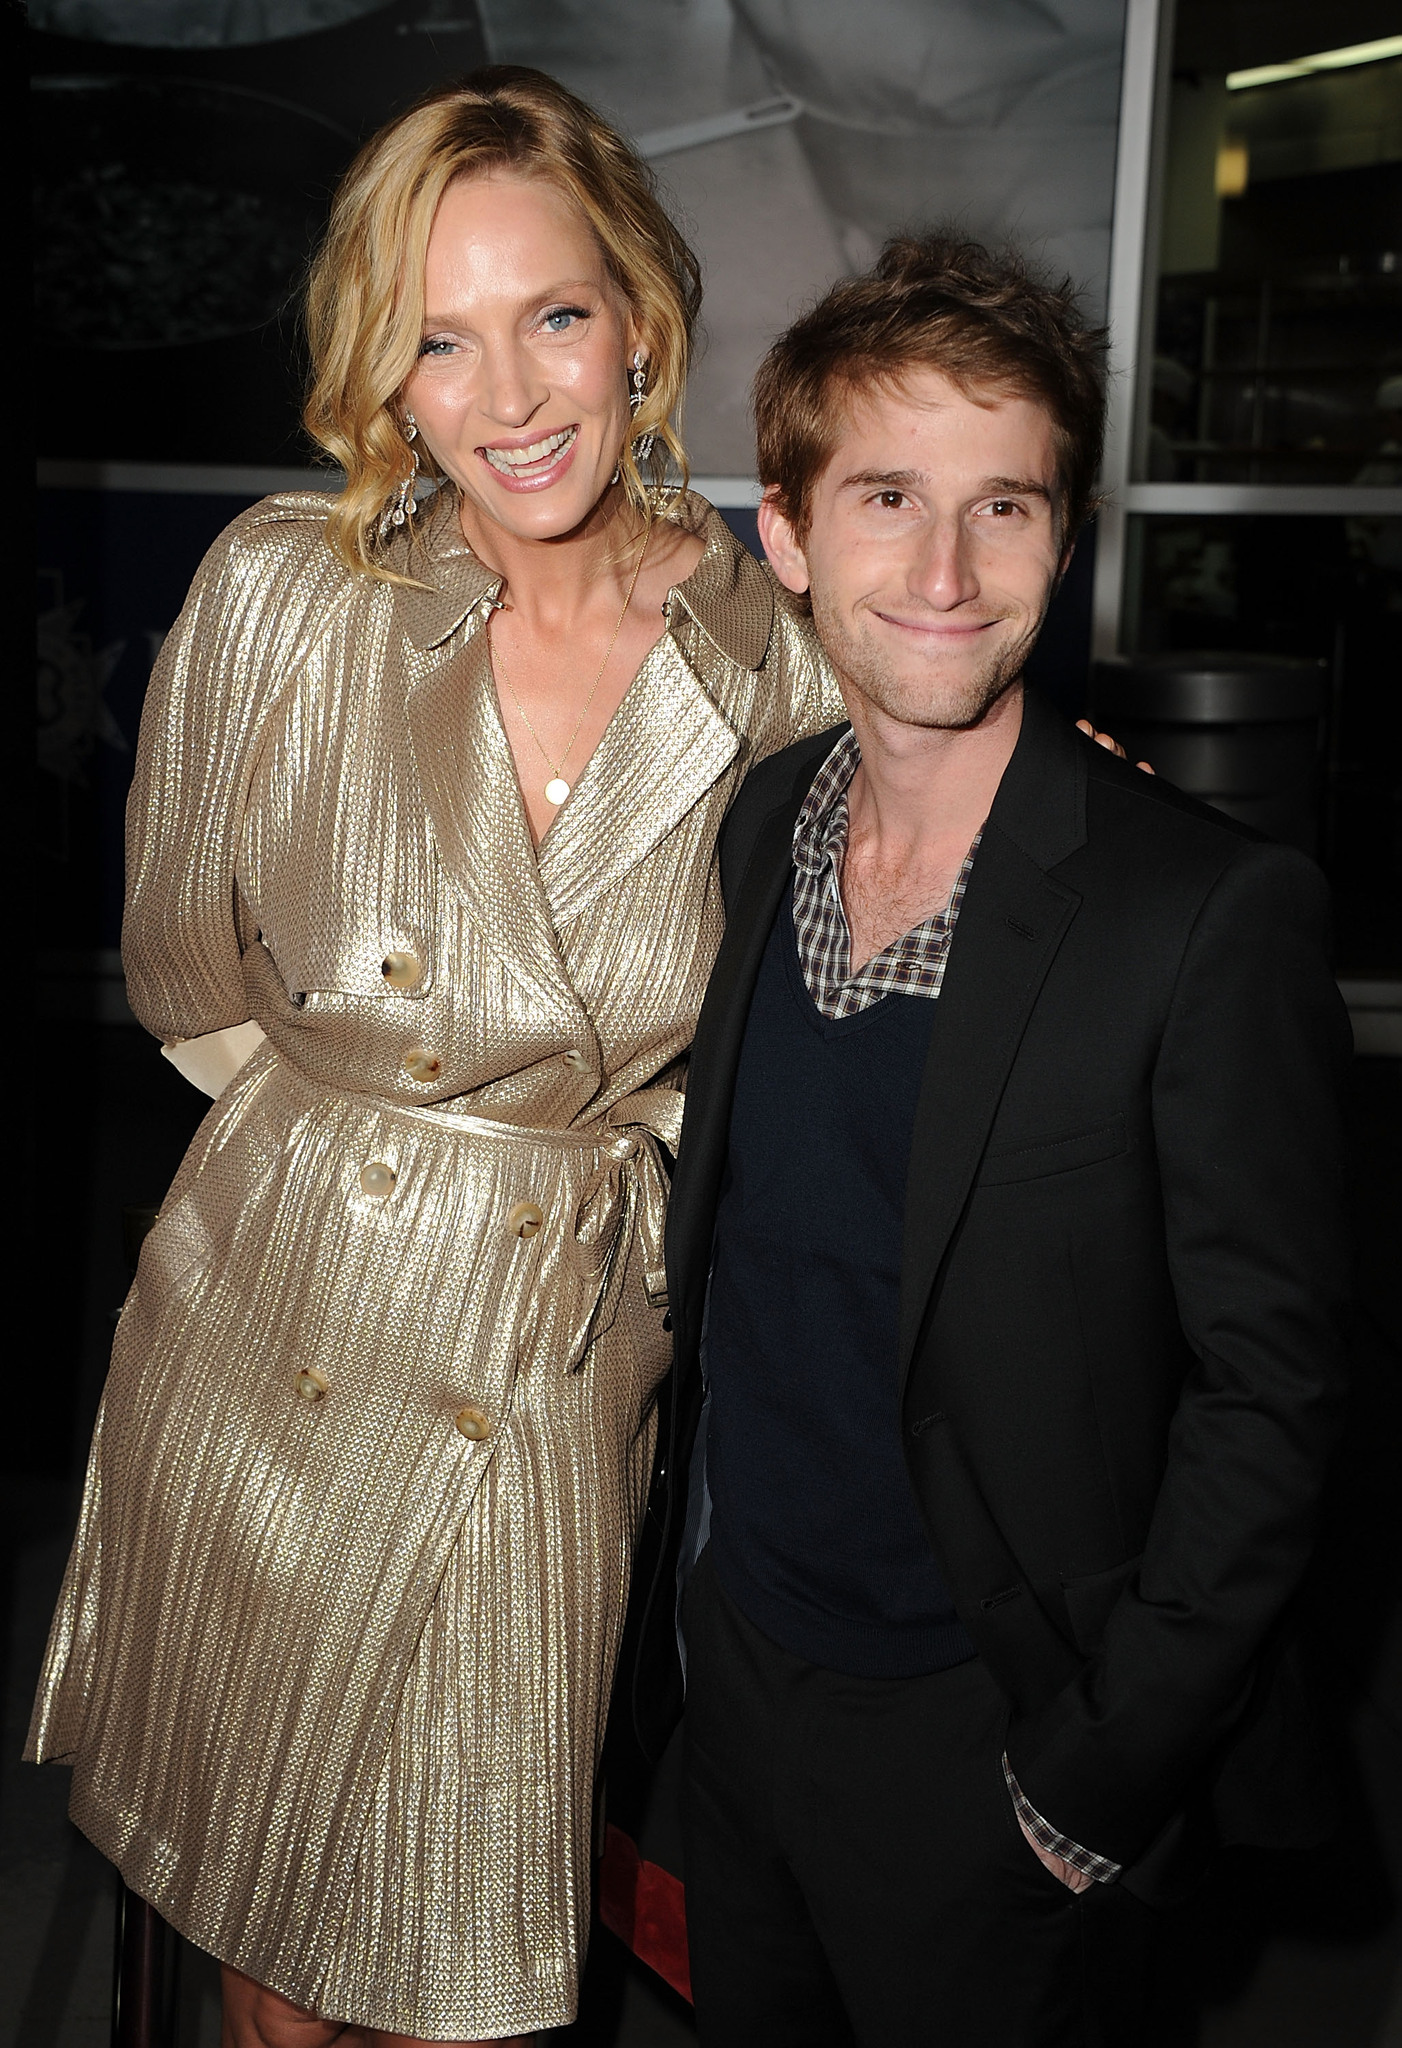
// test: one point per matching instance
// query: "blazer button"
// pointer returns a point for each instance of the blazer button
(576, 1060)
(473, 1424)
(311, 1383)
(376, 1178)
(524, 1219)
(422, 1066)
(401, 970)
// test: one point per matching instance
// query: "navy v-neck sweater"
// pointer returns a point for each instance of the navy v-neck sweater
(815, 1533)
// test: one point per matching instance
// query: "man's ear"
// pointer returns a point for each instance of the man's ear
(786, 557)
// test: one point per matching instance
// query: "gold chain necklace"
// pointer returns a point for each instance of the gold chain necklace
(557, 789)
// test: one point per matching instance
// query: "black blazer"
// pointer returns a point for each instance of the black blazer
(1123, 1278)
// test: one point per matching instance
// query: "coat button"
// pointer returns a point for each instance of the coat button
(576, 1060)
(473, 1424)
(401, 970)
(623, 1148)
(376, 1178)
(311, 1383)
(422, 1066)
(524, 1219)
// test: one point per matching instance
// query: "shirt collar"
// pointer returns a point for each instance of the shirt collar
(820, 829)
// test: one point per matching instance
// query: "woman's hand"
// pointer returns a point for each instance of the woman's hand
(1108, 740)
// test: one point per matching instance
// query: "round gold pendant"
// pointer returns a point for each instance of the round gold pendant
(556, 790)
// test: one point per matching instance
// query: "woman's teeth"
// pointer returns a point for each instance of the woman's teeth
(511, 461)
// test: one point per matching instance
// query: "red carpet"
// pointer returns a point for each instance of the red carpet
(645, 1906)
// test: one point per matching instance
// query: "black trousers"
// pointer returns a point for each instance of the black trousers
(854, 1868)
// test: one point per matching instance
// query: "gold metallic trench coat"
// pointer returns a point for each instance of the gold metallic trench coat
(333, 1653)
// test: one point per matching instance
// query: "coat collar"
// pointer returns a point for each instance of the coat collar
(449, 580)
(727, 595)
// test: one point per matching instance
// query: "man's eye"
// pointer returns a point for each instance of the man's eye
(891, 500)
(1004, 506)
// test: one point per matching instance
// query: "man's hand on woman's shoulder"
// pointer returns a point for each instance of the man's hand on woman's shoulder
(1109, 742)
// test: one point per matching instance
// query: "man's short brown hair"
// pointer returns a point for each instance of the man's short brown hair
(934, 302)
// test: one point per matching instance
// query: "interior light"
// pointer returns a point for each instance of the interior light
(1233, 169)
(1324, 60)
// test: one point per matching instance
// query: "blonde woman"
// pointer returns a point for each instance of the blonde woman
(421, 887)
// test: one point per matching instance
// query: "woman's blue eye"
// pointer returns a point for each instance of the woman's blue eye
(434, 346)
(563, 317)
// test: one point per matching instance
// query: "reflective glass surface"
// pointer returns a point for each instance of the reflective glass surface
(1278, 312)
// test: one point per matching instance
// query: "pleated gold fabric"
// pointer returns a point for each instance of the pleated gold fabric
(333, 1652)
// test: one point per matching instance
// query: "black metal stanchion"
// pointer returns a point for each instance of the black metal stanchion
(144, 1967)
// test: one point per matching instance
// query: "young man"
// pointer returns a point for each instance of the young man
(1006, 1240)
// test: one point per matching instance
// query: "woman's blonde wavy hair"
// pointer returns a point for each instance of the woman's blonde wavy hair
(365, 293)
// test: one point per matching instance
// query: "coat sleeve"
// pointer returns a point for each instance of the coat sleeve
(244, 627)
(1246, 1098)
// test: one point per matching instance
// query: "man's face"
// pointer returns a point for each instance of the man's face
(933, 550)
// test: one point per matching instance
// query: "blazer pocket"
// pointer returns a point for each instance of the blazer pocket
(1054, 1155)
(1089, 1600)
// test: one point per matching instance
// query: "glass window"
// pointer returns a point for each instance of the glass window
(1277, 349)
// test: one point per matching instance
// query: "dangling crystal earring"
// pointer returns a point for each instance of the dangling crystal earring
(642, 447)
(401, 504)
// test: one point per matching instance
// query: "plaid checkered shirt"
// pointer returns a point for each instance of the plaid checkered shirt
(912, 965)
(1056, 1844)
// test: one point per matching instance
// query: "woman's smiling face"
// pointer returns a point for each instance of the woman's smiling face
(521, 388)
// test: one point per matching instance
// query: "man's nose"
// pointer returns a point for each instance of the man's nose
(942, 569)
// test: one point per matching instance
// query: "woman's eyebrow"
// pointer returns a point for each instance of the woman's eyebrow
(563, 290)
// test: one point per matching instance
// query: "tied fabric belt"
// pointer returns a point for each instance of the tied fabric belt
(626, 1193)
(579, 1279)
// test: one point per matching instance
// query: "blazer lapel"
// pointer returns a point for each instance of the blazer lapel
(715, 1061)
(1012, 921)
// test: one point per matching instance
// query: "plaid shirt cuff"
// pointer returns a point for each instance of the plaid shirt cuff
(1046, 1837)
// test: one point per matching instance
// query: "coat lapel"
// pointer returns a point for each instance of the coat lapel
(664, 747)
(668, 742)
(479, 824)
(1012, 921)
(468, 777)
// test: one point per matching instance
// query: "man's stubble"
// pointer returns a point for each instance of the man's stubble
(935, 702)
